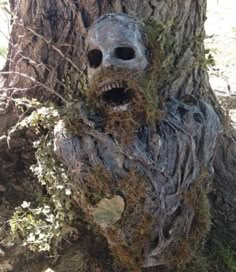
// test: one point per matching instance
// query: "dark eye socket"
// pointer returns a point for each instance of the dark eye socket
(125, 53)
(95, 58)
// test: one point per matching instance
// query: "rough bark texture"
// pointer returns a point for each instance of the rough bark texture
(46, 46)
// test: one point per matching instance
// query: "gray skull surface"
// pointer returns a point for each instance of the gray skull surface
(115, 43)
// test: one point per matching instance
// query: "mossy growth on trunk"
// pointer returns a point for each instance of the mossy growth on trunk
(130, 203)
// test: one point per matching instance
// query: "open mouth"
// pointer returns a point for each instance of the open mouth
(116, 94)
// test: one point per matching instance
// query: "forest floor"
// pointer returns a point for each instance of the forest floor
(221, 30)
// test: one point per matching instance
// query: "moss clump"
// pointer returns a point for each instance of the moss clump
(96, 183)
(136, 224)
(198, 199)
(126, 238)
(146, 102)
(227, 255)
(217, 255)
(219, 251)
(143, 109)
(198, 264)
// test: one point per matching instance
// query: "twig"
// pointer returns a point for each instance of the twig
(39, 83)
(31, 61)
(17, 89)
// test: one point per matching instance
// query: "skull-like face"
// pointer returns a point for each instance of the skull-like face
(115, 43)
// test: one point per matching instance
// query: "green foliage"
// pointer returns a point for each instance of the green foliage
(164, 47)
(227, 255)
(42, 227)
(160, 35)
(36, 226)
(198, 264)
(218, 255)
(43, 117)
(161, 41)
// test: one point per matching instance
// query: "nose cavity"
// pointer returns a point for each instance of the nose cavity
(124, 53)
(95, 58)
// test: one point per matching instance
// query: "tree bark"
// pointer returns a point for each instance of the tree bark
(47, 46)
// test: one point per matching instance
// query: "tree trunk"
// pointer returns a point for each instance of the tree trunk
(47, 61)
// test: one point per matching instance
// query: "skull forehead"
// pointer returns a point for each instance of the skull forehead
(114, 28)
(115, 40)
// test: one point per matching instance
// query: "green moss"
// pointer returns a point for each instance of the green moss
(217, 255)
(198, 264)
(228, 256)
(220, 253)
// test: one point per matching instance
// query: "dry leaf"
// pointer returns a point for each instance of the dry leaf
(109, 211)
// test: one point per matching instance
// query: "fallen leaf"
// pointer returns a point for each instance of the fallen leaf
(109, 211)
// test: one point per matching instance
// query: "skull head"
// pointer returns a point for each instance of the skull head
(115, 43)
